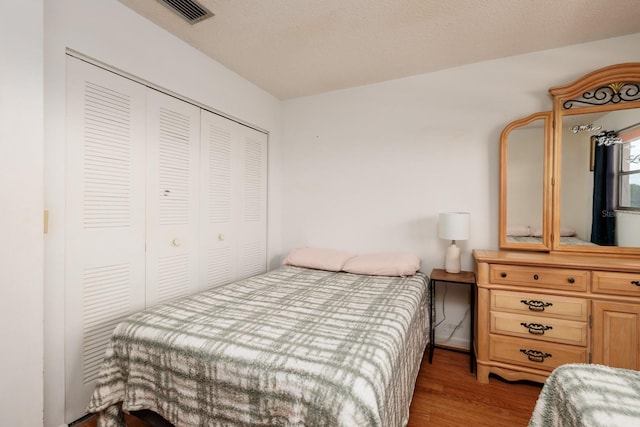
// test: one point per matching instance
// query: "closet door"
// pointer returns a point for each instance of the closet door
(105, 219)
(218, 194)
(173, 150)
(233, 200)
(252, 219)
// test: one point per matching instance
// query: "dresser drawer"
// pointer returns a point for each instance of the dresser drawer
(604, 282)
(539, 328)
(541, 305)
(534, 354)
(539, 277)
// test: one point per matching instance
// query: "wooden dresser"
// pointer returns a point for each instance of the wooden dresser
(536, 311)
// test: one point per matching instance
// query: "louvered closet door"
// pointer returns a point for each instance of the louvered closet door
(217, 196)
(173, 151)
(252, 220)
(233, 200)
(105, 220)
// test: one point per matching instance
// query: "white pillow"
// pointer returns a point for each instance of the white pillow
(384, 264)
(518, 230)
(318, 258)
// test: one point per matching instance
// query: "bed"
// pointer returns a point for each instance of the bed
(292, 347)
(581, 395)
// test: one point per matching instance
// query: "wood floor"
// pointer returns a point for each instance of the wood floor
(447, 394)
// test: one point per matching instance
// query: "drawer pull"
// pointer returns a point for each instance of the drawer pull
(571, 280)
(635, 282)
(535, 305)
(503, 274)
(536, 328)
(535, 355)
(535, 277)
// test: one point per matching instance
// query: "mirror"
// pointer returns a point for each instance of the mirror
(606, 217)
(525, 152)
(596, 201)
(575, 186)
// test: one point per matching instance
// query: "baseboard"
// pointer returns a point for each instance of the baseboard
(80, 421)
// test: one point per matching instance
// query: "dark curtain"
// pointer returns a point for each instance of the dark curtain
(603, 225)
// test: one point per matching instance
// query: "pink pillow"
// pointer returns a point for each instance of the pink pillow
(564, 232)
(384, 264)
(320, 259)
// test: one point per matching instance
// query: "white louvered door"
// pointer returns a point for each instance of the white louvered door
(252, 217)
(217, 194)
(233, 192)
(105, 220)
(173, 134)
(162, 199)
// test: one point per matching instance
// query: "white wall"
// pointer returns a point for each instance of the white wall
(370, 168)
(628, 228)
(21, 147)
(113, 34)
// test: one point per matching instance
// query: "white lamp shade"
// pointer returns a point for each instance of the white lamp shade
(453, 225)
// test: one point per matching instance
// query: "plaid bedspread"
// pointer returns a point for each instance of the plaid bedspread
(580, 395)
(292, 347)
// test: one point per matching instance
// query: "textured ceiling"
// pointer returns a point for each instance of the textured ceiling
(293, 48)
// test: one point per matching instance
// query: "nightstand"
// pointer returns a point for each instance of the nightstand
(467, 278)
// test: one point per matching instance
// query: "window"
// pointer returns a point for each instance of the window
(629, 171)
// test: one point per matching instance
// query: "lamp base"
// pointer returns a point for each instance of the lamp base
(452, 259)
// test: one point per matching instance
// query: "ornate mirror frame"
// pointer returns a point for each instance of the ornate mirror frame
(612, 88)
(542, 243)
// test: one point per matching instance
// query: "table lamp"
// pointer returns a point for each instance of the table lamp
(453, 226)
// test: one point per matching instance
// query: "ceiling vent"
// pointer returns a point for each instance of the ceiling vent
(190, 10)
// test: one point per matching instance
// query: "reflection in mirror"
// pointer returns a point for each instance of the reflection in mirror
(628, 214)
(524, 148)
(600, 191)
(525, 157)
(630, 170)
